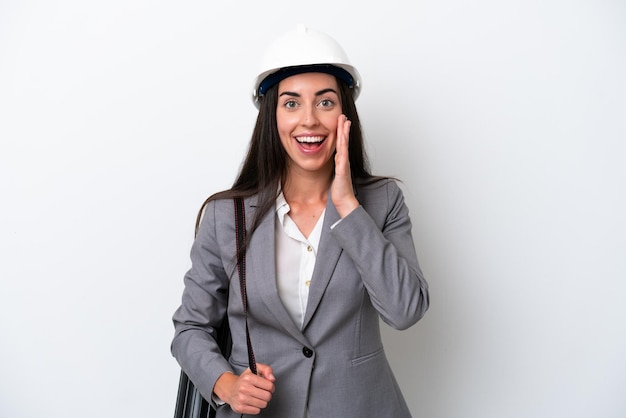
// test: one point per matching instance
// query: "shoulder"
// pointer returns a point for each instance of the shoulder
(215, 205)
(215, 213)
(379, 189)
(382, 199)
(220, 207)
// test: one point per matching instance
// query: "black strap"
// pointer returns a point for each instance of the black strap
(240, 234)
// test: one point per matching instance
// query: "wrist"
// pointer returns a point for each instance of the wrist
(223, 385)
(345, 208)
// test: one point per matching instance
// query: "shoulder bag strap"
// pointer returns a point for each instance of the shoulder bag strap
(240, 232)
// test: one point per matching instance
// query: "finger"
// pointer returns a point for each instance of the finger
(346, 126)
(259, 381)
(341, 156)
(343, 134)
(248, 404)
(253, 391)
(266, 372)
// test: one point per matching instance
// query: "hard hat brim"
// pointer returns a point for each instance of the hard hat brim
(346, 73)
(277, 76)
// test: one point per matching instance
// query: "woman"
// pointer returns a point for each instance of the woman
(329, 252)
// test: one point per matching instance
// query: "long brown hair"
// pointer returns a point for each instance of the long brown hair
(265, 163)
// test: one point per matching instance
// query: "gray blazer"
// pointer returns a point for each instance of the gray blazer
(335, 365)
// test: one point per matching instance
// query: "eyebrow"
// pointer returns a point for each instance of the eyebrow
(319, 93)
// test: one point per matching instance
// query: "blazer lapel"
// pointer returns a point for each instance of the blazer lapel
(261, 271)
(326, 260)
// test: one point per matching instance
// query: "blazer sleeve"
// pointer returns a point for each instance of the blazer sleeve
(203, 307)
(382, 249)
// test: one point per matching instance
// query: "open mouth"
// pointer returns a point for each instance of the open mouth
(310, 142)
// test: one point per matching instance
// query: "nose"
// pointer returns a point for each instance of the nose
(309, 118)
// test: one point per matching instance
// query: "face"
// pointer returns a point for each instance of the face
(307, 115)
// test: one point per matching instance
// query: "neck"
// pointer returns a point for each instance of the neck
(310, 188)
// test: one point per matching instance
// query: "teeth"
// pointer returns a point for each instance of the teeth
(310, 139)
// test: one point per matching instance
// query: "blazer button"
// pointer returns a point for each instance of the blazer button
(307, 352)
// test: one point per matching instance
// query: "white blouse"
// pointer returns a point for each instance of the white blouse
(295, 260)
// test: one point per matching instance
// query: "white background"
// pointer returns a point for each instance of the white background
(506, 121)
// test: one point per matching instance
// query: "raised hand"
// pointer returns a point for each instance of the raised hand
(342, 193)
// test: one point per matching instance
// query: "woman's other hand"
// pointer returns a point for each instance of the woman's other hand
(248, 393)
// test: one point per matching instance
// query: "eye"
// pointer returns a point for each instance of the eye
(326, 103)
(290, 104)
